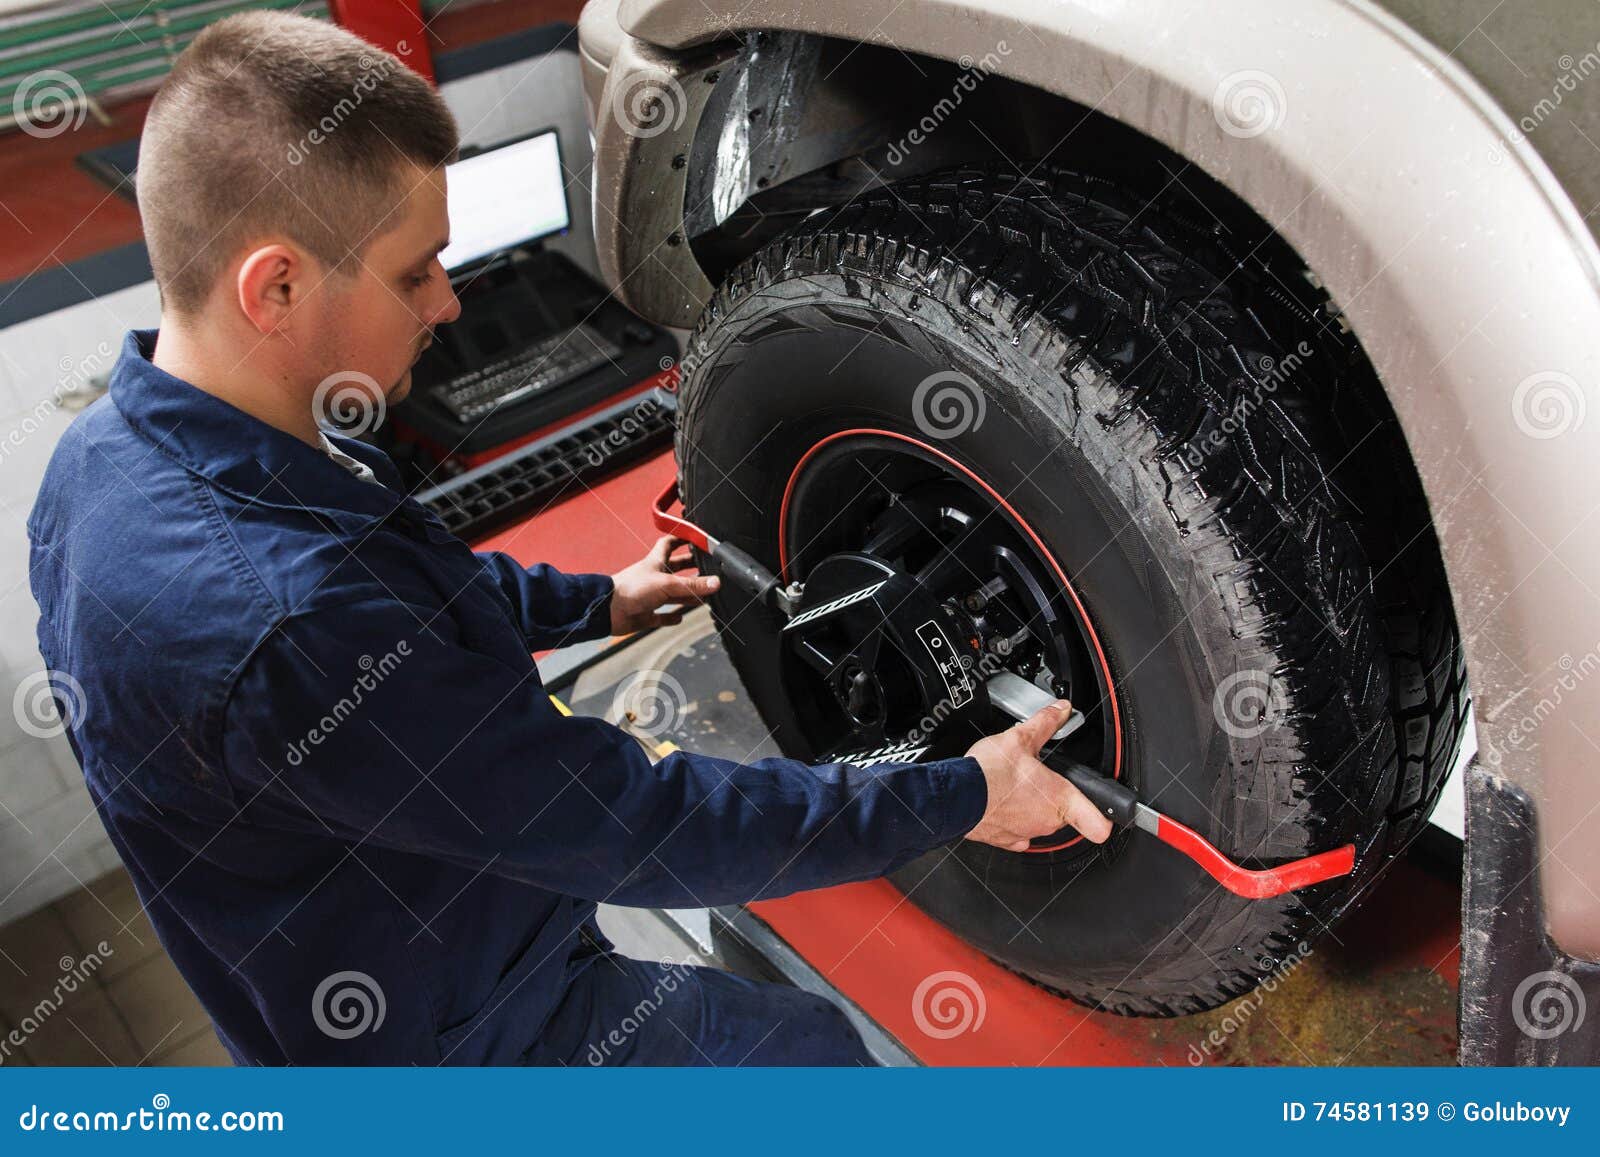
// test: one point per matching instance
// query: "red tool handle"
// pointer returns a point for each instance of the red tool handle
(734, 565)
(1118, 802)
(1253, 884)
(676, 524)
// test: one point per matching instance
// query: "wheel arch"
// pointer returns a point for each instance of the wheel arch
(1456, 257)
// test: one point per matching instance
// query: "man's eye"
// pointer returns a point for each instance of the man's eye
(417, 281)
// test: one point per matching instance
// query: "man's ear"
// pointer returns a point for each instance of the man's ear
(272, 282)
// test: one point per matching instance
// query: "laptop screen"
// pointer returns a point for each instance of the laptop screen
(504, 197)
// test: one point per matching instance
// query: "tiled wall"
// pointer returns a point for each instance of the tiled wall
(50, 839)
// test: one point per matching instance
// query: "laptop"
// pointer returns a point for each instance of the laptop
(538, 338)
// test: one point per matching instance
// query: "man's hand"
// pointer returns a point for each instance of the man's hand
(1026, 798)
(652, 582)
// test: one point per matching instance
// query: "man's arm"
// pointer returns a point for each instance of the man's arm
(553, 609)
(439, 750)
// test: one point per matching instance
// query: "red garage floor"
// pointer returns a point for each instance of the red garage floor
(1381, 991)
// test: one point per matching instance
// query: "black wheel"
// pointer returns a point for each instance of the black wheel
(1077, 440)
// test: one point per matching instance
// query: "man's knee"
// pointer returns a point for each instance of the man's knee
(812, 1031)
(845, 1046)
(621, 1011)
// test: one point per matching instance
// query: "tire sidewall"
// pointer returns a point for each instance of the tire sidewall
(784, 369)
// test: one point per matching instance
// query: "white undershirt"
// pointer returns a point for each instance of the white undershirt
(360, 469)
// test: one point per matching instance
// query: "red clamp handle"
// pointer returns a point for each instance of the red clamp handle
(1250, 883)
(676, 524)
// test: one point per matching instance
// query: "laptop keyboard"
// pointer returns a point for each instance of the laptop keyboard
(549, 363)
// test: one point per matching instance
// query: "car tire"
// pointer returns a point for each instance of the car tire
(1210, 459)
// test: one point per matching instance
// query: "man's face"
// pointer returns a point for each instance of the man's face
(377, 320)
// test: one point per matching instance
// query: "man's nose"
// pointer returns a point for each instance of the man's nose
(451, 307)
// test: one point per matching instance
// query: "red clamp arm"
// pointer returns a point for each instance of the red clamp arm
(676, 524)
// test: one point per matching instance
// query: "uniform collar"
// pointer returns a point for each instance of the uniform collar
(242, 454)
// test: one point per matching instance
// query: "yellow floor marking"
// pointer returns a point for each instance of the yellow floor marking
(665, 747)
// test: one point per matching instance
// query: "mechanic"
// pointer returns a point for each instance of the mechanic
(309, 718)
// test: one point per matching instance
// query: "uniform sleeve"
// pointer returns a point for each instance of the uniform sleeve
(554, 609)
(357, 722)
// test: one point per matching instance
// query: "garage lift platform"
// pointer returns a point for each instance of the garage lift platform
(1380, 989)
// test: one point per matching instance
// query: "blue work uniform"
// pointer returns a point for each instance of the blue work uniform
(309, 719)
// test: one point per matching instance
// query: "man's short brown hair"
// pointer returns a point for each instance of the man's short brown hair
(278, 125)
